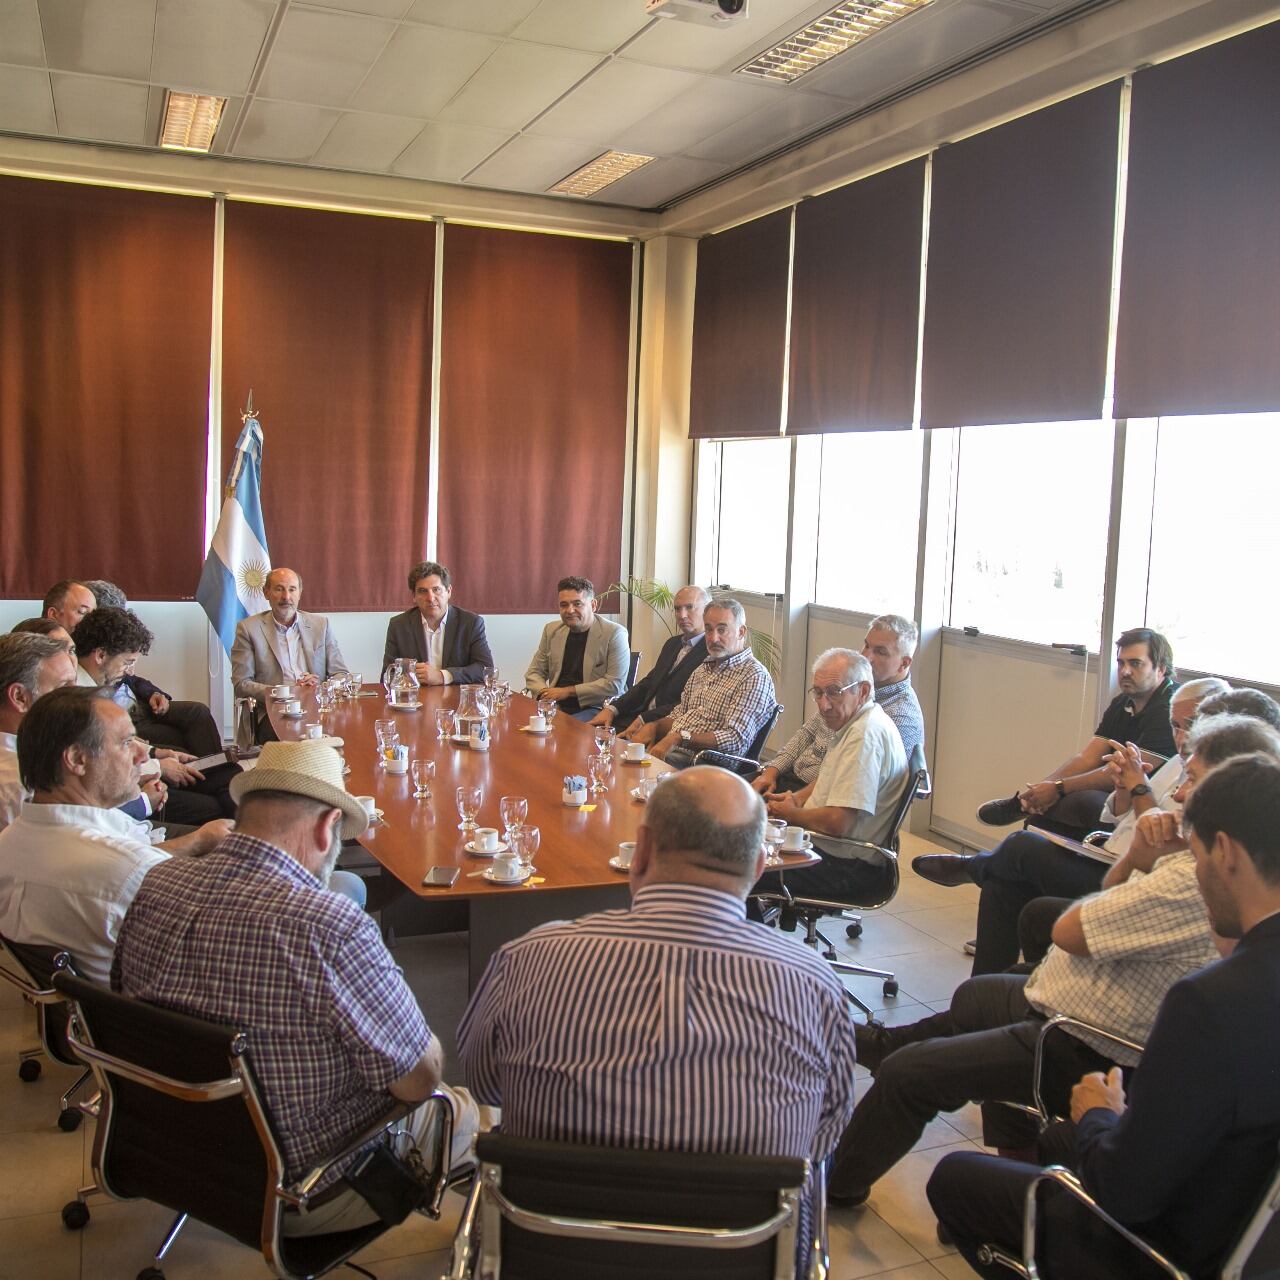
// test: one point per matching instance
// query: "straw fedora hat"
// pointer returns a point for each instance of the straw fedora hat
(312, 769)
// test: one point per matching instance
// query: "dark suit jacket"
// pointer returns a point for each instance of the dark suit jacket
(142, 688)
(1186, 1162)
(466, 647)
(664, 683)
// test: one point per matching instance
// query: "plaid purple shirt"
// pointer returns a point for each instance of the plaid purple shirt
(247, 936)
(730, 697)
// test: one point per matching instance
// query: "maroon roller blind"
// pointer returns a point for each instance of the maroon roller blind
(105, 313)
(533, 414)
(327, 317)
(740, 329)
(1021, 231)
(1200, 278)
(855, 305)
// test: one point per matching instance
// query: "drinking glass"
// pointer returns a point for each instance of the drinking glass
(324, 698)
(774, 830)
(549, 707)
(354, 682)
(514, 810)
(388, 734)
(423, 771)
(605, 735)
(469, 800)
(446, 723)
(599, 769)
(525, 842)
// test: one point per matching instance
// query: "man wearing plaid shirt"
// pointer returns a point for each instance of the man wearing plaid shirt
(727, 699)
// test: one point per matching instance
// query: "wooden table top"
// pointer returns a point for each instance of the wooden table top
(576, 843)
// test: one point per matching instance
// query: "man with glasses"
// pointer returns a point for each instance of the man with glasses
(861, 778)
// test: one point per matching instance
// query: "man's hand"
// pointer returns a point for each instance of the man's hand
(659, 749)
(159, 704)
(308, 680)
(1097, 1090)
(765, 779)
(556, 693)
(1126, 766)
(640, 731)
(1038, 797)
(156, 792)
(1155, 834)
(178, 774)
(782, 804)
(605, 716)
(427, 674)
(201, 840)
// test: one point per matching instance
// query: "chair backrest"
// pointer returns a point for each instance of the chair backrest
(31, 968)
(1256, 1254)
(757, 743)
(180, 1127)
(917, 786)
(593, 1186)
(633, 666)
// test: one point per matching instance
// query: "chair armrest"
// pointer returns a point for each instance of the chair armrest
(819, 1267)
(1068, 1182)
(726, 759)
(820, 838)
(300, 1192)
(1064, 1020)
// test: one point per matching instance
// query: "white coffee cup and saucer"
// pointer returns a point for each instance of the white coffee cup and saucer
(635, 753)
(370, 804)
(292, 707)
(486, 843)
(537, 726)
(280, 692)
(507, 869)
(796, 840)
(621, 861)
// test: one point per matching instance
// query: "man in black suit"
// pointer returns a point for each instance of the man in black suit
(447, 643)
(1182, 1161)
(658, 693)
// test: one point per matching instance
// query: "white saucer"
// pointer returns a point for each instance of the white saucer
(643, 762)
(807, 847)
(492, 879)
(501, 847)
(295, 715)
(404, 706)
(618, 865)
(375, 816)
(537, 733)
(462, 739)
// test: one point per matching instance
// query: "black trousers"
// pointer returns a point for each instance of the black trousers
(201, 802)
(1075, 815)
(186, 726)
(979, 1199)
(1022, 867)
(981, 1050)
(1035, 927)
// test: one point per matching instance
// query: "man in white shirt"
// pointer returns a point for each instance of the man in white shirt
(30, 666)
(71, 862)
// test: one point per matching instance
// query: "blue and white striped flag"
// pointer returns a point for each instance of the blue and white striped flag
(236, 568)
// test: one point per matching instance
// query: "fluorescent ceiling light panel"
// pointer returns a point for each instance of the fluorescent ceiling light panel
(190, 121)
(837, 30)
(600, 172)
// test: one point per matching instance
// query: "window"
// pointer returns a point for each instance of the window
(1215, 531)
(1031, 513)
(869, 521)
(751, 522)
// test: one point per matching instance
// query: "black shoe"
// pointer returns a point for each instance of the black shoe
(1001, 813)
(848, 1199)
(874, 1043)
(948, 869)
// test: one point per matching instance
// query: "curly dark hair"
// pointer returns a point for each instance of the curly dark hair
(425, 569)
(114, 630)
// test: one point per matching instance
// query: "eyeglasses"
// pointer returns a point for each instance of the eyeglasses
(831, 694)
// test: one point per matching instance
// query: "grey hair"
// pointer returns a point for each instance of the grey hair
(856, 666)
(1201, 689)
(704, 596)
(1220, 738)
(1242, 702)
(907, 632)
(21, 654)
(677, 821)
(106, 593)
(733, 606)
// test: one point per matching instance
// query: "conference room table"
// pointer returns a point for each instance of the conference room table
(573, 875)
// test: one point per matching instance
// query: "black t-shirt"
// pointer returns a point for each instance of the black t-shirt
(1148, 729)
(575, 648)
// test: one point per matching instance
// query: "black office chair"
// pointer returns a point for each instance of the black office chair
(539, 1210)
(873, 882)
(183, 1124)
(746, 766)
(633, 666)
(31, 970)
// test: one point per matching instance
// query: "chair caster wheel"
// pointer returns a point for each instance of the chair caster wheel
(853, 930)
(150, 1273)
(787, 920)
(829, 954)
(75, 1215)
(29, 1070)
(69, 1121)
(891, 987)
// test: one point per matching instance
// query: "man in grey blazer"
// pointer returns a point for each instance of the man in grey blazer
(448, 644)
(282, 645)
(580, 660)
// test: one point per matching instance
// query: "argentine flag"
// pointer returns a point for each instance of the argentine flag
(235, 570)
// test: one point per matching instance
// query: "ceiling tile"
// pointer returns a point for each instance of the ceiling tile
(527, 163)
(105, 110)
(20, 38)
(659, 182)
(711, 105)
(26, 103)
(696, 48)
(447, 152)
(99, 37)
(614, 98)
(421, 69)
(791, 117)
(518, 82)
(322, 57)
(367, 142)
(284, 131)
(492, 17)
(209, 48)
(378, 8)
(584, 24)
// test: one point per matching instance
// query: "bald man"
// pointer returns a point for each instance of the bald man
(703, 1031)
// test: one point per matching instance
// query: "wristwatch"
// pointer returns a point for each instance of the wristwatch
(1062, 790)
(685, 736)
(1142, 789)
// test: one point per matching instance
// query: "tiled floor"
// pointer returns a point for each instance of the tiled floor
(918, 935)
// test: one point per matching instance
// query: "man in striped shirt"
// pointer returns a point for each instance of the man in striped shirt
(674, 1024)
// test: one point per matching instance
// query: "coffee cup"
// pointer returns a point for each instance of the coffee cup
(626, 851)
(506, 866)
(635, 750)
(292, 706)
(281, 691)
(538, 723)
(314, 729)
(795, 838)
(370, 804)
(485, 839)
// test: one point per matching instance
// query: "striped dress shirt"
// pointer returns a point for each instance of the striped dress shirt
(674, 1024)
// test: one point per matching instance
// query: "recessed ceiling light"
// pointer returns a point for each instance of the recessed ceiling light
(600, 173)
(837, 30)
(190, 121)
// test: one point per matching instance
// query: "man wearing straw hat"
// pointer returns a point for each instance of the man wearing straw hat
(249, 935)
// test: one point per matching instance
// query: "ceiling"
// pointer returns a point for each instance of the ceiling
(508, 95)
